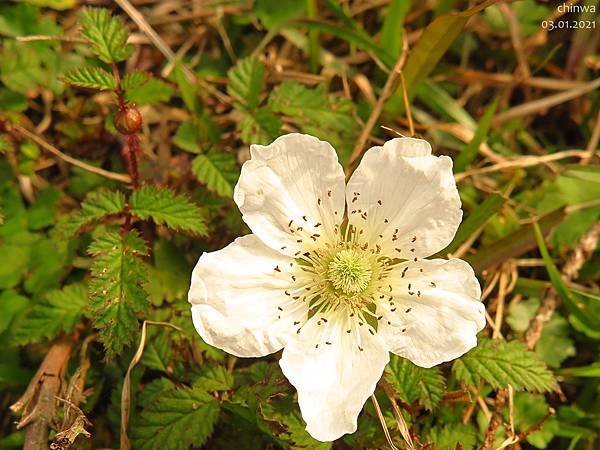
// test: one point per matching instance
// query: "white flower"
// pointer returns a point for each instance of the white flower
(338, 298)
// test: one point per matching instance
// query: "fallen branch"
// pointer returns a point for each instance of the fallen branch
(39, 400)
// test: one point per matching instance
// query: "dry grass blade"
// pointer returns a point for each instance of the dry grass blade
(126, 392)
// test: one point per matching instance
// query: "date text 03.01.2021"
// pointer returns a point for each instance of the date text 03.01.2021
(567, 24)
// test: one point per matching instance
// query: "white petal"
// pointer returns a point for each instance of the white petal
(236, 294)
(404, 198)
(439, 321)
(294, 182)
(333, 380)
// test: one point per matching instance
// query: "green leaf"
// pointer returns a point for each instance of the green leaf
(91, 77)
(360, 39)
(468, 154)
(429, 49)
(245, 81)
(393, 23)
(413, 383)
(521, 313)
(555, 345)
(60, 310)
(514, 244)
(480, 215)
(502, 363)
(188, 91)
(440, 101)
(107, 34)
(580, 310)
(448, 436)
(215, 378)
(218, 171)
(529, 410)
(152, 91)
(11, 305)
(178, 419)
(166, 207)
(157, 352)
(135, 79)
(591, 371)
(96, 206)
(259, 127)
(116, 293)
(311, 108)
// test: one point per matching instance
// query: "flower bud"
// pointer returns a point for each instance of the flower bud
(128, 120)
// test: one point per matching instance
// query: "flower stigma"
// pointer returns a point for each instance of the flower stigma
(350, 272)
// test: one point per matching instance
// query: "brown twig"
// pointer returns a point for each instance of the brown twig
(39, 400)
(496, 420)
(75, 162)
(387, 90)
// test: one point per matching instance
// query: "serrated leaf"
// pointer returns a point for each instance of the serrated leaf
(245, 81)
(218, 171)
(107, 34)
(152, 91)
(135, 79)
(91, 77)
(157, 352)
(96, 206)
(215, 378)
(502, 363)
(311, 107)
(116, 293)
(259, 127)
(166, 207)
(178, 419)
(60, 310)
(416, 383)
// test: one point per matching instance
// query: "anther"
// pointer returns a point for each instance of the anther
(372, 332)
(296, 323)
(404, 330)
(328, 343)
(379, 202)
(413, 239)
(277, 269)
(329, 193)
(432, 284)
(408, 310)
(386, 221)
(304, 218)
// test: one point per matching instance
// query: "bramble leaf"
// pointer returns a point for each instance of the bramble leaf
(218, 171)
(502, 363)
(178, 418)
(107, 34)
(416, 383)
(116, 292)
(60, 310)
(135, 79)
(91, 77)
(246, 81)
(165, 207)
(96, 205)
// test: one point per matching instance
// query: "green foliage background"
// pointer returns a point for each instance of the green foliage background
(86, 258)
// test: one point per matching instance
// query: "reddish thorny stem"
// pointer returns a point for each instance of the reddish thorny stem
(131, 148)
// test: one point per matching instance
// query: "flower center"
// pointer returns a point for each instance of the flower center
(350, 271)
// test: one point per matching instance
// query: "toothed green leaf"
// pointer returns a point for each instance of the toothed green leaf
(165, 207)
(116, 288)
(107, 34)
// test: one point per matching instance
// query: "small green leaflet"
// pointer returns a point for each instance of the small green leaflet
(96, 206)
(178, 419)
(416, 383)
(218, 171)
(116, 292)
(91, 77)
(59, 310)
(107, 35)
(246, 81)
(165, 207)
(501, 363)
(152, 91)
(135, 79)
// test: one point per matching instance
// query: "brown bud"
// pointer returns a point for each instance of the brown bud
(128, 120)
